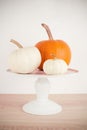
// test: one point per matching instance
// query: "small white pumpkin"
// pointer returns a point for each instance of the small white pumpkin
(55, 66)
(24, 60)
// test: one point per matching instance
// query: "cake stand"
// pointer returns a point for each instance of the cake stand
(42, 105)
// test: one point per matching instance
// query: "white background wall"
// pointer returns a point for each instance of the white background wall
(21, 20)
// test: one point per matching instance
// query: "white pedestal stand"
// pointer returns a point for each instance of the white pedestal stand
(42, 105)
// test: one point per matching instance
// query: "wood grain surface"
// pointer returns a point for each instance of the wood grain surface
(73, 116)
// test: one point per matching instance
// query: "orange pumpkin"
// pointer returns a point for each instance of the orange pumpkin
(51, 48)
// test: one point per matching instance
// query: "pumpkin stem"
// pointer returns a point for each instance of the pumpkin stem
(54, 57)
(48, 31)
(16, 43)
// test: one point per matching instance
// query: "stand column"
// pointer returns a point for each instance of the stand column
(42, 105)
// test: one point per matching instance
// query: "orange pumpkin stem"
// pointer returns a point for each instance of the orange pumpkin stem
(16, 43)
(48, 31)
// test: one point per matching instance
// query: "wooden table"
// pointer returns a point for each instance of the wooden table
(73, 116)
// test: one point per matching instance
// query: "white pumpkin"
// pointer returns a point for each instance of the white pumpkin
(24, 60)
(55, 66)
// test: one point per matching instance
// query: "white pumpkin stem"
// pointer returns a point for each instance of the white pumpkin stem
(16, 43)
(48, 31)
(54, 57)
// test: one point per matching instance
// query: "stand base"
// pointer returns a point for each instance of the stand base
(37, 107)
